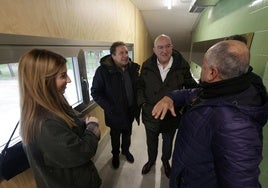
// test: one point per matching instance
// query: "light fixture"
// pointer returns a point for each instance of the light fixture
(168, 3)
(256, 2)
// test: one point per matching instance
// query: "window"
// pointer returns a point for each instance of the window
(9, 101)
(92, 63)
(73, 92)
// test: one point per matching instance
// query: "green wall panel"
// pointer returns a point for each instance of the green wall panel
(260, 42)
(264, 164)
(218, 21)
(230, 17)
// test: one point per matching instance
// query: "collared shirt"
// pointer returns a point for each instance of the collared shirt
(164, 71)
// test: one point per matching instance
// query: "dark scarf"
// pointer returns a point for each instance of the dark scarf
(226, 87)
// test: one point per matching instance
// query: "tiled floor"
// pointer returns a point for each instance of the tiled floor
(129, 175)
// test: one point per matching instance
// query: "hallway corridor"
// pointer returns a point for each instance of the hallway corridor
(129, 175)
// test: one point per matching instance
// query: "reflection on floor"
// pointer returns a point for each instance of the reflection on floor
(129, 175)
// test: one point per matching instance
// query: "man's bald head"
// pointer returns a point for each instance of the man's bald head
(230, 57)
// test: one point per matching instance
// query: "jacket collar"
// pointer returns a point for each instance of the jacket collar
(108, 62)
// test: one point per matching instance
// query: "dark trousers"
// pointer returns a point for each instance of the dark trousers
(115, 140)
(152, 144)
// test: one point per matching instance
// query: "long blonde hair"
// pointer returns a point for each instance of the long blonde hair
(38, 92)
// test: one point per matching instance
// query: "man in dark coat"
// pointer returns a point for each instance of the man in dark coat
(114, 89)
(164, 71)
(220, 142)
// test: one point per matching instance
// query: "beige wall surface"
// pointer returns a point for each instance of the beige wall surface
(94, 20)
(90, 20)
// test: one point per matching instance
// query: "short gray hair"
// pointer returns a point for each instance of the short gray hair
(230, 57)
(162, 35)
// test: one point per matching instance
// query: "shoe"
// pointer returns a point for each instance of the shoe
(147, 167)
(115, 161)
(129, 157)
(167, 168)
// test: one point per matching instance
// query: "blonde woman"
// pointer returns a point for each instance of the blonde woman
(58, 144)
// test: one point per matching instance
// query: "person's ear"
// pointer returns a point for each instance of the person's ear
(213, 74)
(154, 49)
(112, 55)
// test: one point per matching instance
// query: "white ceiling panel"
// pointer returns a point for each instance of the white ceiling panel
(177, 22)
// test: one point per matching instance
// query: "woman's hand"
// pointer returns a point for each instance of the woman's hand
(93, 125)
(91, 119)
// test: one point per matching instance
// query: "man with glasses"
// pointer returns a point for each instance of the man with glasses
(164, 71)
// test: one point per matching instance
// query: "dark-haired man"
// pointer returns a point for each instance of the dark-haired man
(114, 89)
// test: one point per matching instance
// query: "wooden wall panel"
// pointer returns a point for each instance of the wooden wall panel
(96, 20)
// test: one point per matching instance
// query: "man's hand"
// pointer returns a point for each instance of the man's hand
(161, 108)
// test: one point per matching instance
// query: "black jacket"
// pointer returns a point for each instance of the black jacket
(151, 88)
(108, 90)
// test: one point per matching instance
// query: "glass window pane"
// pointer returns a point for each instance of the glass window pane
(9, 101)
(93, 61)
(73, 92)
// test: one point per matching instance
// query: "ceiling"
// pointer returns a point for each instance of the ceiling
(176, 22)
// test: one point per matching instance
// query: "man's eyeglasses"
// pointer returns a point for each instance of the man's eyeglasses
(164, 47)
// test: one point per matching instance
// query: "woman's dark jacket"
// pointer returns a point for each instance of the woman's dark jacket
(151, 89)
(60, 157)
(108, 90)
(219, 144)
